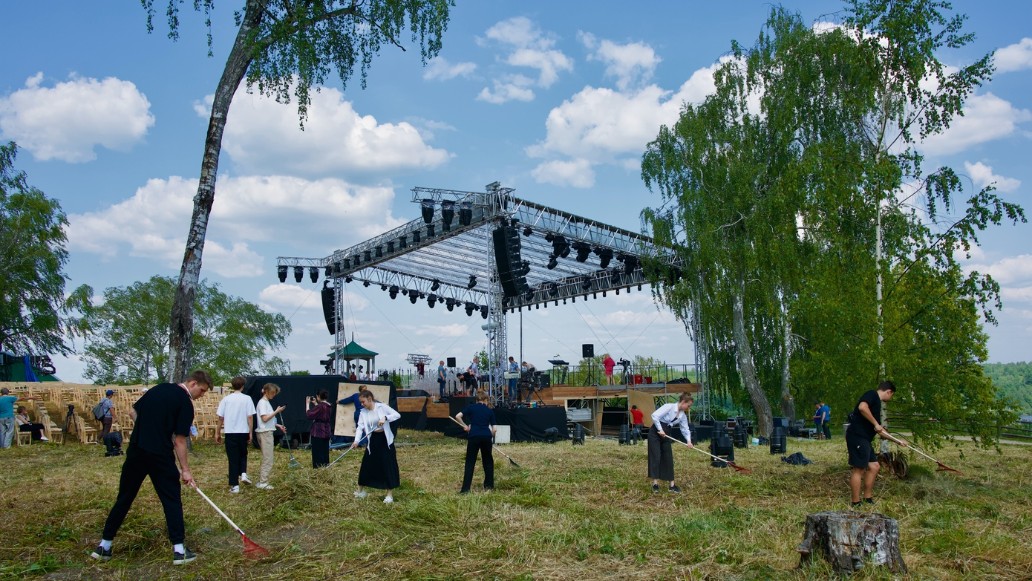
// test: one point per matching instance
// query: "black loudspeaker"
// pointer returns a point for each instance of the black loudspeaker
(451, 362)
(511, 273)
(781, 423)
(778, 441)
(587, 350)
(328, 308)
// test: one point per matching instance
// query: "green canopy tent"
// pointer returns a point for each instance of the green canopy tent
(353, 351)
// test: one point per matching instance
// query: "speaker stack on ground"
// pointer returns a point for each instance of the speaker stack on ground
(779, 436)
(721, 445)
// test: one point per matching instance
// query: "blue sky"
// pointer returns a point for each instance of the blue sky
(556, 100)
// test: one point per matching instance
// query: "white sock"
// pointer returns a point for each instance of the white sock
(179, 548)
(105, 544)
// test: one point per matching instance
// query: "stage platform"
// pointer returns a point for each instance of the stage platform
(552, 406)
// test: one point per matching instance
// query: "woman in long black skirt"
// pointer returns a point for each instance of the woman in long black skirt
(380, 462)
(661, 457)
(321, 415)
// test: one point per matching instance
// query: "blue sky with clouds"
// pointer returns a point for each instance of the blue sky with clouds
(554, 99)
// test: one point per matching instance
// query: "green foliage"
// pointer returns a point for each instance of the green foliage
(128, 340)
(35, 315)
(1013, 382)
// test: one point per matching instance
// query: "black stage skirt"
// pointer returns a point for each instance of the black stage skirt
(379, 464)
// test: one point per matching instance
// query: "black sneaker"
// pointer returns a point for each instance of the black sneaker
(101, 554)
(869, 500)
(655, 488)
(675, 489)
(187, 556)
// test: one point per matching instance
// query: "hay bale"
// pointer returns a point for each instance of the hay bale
(851, 540)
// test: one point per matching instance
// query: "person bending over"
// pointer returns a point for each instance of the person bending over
(480, 430)
(661, 457)
(864, 425)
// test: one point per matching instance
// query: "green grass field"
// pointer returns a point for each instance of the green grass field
(568, 512)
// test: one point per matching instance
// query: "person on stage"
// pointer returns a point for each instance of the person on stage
(320, 415)
(480, 430)
(608, 365)
(380, 462)
(661, 457)
(864, 425)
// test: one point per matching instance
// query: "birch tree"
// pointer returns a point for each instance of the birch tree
(284, 48)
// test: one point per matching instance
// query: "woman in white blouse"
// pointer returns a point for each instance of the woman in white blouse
(661, 457)
(380, 462)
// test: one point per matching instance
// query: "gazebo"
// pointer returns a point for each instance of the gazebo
(353, 351)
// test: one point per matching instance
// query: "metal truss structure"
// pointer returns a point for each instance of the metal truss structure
(447, 257)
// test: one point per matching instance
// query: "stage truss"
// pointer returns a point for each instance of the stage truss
(446, 258)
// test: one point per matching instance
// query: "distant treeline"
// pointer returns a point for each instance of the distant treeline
(1014, 382)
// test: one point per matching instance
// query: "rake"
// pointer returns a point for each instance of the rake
(293, 461)
(345, 453)
(730, 463)
(252, 550)
(507, 457)
(942, 467)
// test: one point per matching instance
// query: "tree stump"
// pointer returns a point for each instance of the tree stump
(852, 540)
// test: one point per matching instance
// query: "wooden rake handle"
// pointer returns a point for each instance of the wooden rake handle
(729, 462)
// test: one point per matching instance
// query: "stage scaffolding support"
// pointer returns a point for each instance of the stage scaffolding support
(447, 257)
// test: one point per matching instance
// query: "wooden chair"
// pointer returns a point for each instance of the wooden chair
(23, 438)
(87, 434)
(51, 431)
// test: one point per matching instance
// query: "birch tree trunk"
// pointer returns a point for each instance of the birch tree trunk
(181, 337)
(747, 367)
(787, 402)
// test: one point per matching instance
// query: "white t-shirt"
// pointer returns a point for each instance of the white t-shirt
(234, 409)
(264, 409)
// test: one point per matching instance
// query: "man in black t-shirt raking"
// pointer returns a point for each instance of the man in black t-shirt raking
(864, 425)
(163, 417)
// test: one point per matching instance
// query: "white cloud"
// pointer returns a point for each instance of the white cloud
(631, 64)
(1009, 271)
(1014, 57)
(986, 118)
(575, 173)
(289, 297)
(264, 136)
(248, 211)
(982, 175)
(69, 120)
(1016, 294)
(527, 47)
(440, 69)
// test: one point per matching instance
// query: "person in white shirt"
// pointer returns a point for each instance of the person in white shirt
(661, 457)
(236, 418)
(380, 462)
(266, 431)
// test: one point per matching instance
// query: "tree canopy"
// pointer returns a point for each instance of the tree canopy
(819, 255)
(128, 338)
(284, 49)
(35, 315)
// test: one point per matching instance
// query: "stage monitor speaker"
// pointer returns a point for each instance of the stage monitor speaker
(451, 362)
(587, 350)
(328, 309)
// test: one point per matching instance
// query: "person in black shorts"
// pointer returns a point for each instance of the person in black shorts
(163, 418)
(864, 424)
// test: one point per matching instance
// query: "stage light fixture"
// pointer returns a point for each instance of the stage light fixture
(586, 283)
(447, 213)
(630, 263)
(469, 309)
(639, 287)
(346, 264)
(348, 279)
(483, 311)
(393, 292)
(605, 255)
(379, 251)
(313, 274)
(365, 283)
(436, 284)
(390, 246)
(327, 271)
(513, 221)
(429, 230)
(415, 236)
(552, 263)
(466, 213)
(367, 255)
(603, 294)
(549, 237)
(413, 297)
(404, 292)
(427, 209)
(299, 273)
(431, 300)
(527, 231)
(383, 287)
(553, 289)
(450, 303)
(615, 277)
(583, 250)
(281, 272)
(537, 306)
(472, 282)
(402, 242)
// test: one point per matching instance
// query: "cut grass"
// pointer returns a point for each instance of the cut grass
(570, 512)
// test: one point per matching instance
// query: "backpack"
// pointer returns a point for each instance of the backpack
(98, 411)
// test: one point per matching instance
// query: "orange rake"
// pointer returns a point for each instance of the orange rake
(252, 550)
(730, 463)
(942, 467)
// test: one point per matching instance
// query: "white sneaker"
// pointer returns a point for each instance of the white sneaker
(244, 479)
(360, 494)
(234, 489)
(388, 500)
(263, 486)
(44, 439)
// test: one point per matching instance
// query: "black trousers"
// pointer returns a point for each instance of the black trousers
(164, 475)
(236, 453)
(483, 445)
(320, 452)
(661, 456)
